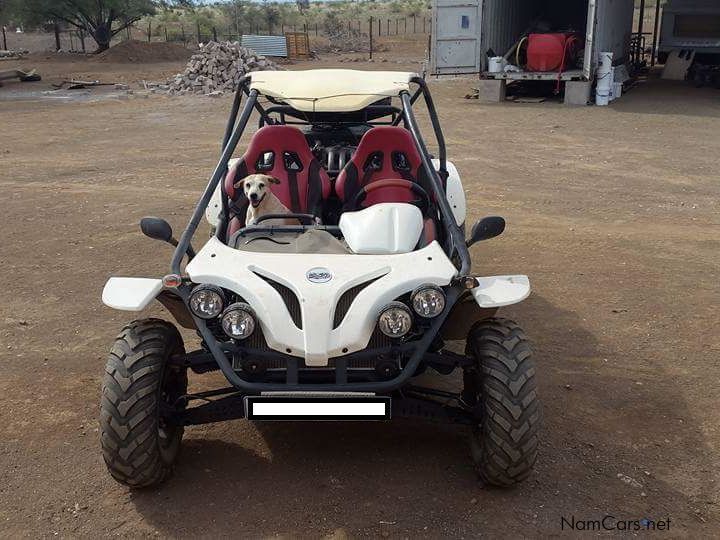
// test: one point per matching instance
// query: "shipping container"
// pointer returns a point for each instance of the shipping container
(690, 25)
(466, 34)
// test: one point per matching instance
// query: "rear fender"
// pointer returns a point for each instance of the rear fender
(135, 294)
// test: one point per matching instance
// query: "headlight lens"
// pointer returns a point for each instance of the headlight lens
(238, 320)
(395, 320)
(428, 301)
(207, 301)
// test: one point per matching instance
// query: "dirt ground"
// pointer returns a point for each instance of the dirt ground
(613, 213)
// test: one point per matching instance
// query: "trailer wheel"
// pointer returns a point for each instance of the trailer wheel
(502, 388)
(139, 441)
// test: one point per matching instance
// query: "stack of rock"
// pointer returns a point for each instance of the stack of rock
(216, 68)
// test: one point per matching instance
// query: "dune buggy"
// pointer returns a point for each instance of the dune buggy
(336, 316)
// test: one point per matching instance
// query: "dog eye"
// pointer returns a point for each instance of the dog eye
(247, 185)
(261, 186)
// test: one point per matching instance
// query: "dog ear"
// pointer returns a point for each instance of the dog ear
(273, 180)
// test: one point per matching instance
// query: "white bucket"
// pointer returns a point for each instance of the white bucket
(496, 64)
(604, 79)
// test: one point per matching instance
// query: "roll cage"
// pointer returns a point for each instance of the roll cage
(452, 242)
(453, 245)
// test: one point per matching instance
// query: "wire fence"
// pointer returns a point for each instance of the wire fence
(77, 41)
(376, 26)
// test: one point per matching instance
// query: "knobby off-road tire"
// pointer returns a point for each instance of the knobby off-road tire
(139, 445)
(505, 443)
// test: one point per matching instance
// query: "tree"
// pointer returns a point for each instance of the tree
(101, 19)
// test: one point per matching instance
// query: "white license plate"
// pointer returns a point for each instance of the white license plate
(317, 408)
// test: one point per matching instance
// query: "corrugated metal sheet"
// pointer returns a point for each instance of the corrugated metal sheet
(503, 21)
(266, 45)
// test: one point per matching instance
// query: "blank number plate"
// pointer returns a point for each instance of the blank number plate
(317, 408)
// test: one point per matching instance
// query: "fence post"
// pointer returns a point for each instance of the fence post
(379, 27)
(214, 34)
(4, 38)
(371, 35)
(82, 40)
(149, 31)
(405, 24)
(396, 27)
(316, 30)
(166, 36)
(182, 29)
(56, 29)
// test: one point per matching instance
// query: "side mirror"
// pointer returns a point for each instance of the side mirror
(158, 229)
(485, 229)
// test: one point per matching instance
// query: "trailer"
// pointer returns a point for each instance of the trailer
(486, 37)
(690, 25)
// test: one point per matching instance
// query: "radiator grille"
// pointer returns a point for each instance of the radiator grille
(291, 300)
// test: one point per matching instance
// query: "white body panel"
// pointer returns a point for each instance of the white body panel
(455, 193)
(238, 271)
(130, 293)
(498, 291)
(382, 229)
(214, 207)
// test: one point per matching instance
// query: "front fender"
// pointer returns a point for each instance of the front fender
(482, 302)
(499, 291)
(130, 293)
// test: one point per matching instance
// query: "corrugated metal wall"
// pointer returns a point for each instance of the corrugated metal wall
(503, 21)
(266, 45)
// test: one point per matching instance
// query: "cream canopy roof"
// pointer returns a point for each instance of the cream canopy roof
(330, 90)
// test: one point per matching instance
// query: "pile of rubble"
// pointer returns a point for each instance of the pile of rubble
(216, 68)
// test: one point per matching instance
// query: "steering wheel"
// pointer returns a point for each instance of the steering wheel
(423, 201)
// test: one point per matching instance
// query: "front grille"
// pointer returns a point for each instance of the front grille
(291, 300)
(346, 300)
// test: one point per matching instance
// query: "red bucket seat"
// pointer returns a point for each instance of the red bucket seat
(385, 152)
(282, 152)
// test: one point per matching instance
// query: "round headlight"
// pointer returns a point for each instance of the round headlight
(395, 320)
(238, 320)
(428, 301)
(207, 301)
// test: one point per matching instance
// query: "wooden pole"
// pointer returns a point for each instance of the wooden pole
(4, 38)
(414, 24)
(396, 26)
(149, 31)
(166, 36)
(214, 34)
(82, 40)
(371, 35)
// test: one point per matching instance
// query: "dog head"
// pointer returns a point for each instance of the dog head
(256, 187)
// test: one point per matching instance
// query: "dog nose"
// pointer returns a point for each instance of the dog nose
(253, 196)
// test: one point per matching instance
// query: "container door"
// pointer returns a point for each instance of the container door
(455, 37)
(589, 59)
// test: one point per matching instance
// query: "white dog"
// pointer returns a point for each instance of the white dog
(262, 200)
